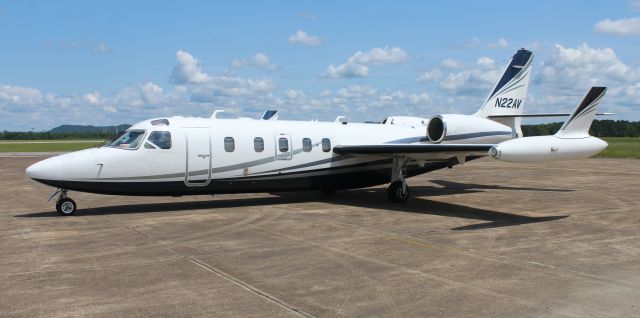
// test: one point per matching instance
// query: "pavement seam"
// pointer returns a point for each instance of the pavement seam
(165, 246)
(248, 287)
(550, 269)
(220, 273)
(404, 268)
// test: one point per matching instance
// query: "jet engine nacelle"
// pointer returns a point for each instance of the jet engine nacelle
(451, 128)
(547, 148)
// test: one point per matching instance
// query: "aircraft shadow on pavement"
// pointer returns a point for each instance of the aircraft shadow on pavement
(417, 204)
(366, 198)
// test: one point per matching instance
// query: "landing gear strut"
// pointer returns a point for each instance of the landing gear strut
(64, 205)
(398, 190)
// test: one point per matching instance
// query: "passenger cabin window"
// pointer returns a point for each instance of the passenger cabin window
(258, 144)
(306, 144)
(130, 139)
(326, 144)
(158, 140)
(229, 144)
(283, 144)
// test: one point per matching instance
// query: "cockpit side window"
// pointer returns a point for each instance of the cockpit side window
(130, 140)
(159, 140)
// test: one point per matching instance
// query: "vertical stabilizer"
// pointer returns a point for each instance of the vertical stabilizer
(508, 95)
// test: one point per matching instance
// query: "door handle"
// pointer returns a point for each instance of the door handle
(203, 156)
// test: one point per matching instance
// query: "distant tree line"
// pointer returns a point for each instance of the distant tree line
(30, 135)
(599, 128)
(66, 132)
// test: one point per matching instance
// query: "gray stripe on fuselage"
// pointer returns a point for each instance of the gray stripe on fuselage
(309, 164)
(302, 174)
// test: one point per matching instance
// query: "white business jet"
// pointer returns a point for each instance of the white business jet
(176, 156)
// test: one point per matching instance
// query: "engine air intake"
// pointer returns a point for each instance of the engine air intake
(436, 129)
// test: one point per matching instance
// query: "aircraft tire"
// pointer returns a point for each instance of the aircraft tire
(396, 194)
(66, 207)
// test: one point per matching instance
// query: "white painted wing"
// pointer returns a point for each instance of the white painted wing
(416, 151)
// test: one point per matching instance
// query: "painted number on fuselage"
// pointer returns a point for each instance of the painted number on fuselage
(508, 102)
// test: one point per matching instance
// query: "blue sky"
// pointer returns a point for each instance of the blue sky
(102, 63)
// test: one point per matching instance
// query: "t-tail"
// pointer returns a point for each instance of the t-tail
(572, 141)
(506, 101)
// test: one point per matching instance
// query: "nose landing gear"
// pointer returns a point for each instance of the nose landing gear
(65, 206)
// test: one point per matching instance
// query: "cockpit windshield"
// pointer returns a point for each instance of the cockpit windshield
(131, 139)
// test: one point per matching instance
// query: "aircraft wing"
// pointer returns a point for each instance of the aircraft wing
(415, 151)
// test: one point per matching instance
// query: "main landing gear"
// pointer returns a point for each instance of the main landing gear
(398, 190)
(64, 205)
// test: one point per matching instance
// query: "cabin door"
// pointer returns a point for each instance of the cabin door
(198, 163)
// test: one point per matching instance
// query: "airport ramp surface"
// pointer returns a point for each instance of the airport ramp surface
(485, 239)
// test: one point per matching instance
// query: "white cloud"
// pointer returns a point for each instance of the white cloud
(451, 63)
(260, 60)
(384, 55)
(228, 86)
(210, 87)
(429, 76)
(294, 94)
(188, 70)
(582, 67)
(358, 64)
(301, 37)
(19, 95)
(635, 4)
(151, 93)
(417, 99)
(472, 81)
(486, 62)
(352, 91)
(500, 43)
(92, 98)
(101, 48)
(347, 70)
(630, 26)
(569, 72)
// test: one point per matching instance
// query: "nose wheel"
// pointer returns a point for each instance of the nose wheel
(65, 206)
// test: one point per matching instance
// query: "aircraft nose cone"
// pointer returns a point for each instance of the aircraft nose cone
(48, 169)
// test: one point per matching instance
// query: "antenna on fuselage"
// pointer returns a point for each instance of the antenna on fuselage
(216, 112)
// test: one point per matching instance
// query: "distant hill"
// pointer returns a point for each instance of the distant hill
(88, 129)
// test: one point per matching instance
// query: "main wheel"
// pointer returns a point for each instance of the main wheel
(66, 206)
(396, 193)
